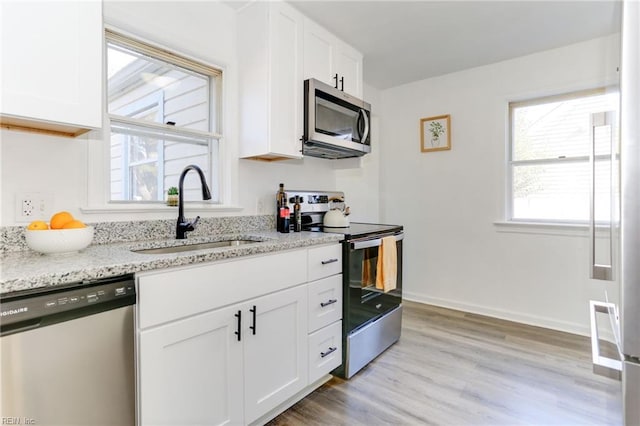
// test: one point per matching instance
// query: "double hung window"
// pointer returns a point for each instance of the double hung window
(552, 144)
(163, 111)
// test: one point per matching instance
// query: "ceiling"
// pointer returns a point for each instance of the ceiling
(405, 41)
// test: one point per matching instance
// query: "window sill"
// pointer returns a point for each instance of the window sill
(558, 229)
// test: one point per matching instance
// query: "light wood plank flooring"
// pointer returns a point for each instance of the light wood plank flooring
(456, 368)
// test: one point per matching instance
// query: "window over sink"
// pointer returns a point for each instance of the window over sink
(163, 113)
(549, 165)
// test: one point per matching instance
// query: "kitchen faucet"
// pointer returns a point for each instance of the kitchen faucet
(182, 227)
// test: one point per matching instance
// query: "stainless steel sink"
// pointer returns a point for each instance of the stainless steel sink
(192, 247)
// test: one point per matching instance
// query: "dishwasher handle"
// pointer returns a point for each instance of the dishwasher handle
(21, 327)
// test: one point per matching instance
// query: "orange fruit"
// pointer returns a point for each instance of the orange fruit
(74, 224)
(37, 225)
(59, 219)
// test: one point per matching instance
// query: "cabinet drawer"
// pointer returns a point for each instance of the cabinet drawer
(325, 302)
(171, 294)
(325, 350)
(325, 261)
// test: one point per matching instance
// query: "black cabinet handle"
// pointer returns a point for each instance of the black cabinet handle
(238, 332)
(253, 312)
(331, 350)
(326, 262)
(341, 84)
(336, 79)
(328, 302)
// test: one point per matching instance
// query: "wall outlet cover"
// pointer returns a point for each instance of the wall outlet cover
(32, 206)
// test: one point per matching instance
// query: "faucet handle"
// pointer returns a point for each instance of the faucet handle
(191, 225)
(195, 221)
(188, 226)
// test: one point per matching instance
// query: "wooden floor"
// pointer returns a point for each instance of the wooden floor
(456, 368)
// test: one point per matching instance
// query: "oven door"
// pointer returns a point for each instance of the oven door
(364, 302)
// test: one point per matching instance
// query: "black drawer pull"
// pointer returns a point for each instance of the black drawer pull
(238, 333)
(328, 302)
(329, 352)
(326, 262)
(253, 327)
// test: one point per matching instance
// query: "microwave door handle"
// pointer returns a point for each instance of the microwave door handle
(359, 124)
(365, 133)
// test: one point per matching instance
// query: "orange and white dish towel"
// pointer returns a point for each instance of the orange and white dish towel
(387, 268)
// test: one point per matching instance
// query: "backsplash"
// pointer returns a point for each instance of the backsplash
(12, 237)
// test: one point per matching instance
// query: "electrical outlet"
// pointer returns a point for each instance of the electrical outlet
(32, 206)
(27, 208)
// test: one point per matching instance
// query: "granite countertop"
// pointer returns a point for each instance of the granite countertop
(26, 271)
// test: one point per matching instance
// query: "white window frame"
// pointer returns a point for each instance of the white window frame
(509, 204)
(184, 65)
(97, 186)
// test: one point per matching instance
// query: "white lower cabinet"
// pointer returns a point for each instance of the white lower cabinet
(190, 372)
(244, 361)
(275, 357)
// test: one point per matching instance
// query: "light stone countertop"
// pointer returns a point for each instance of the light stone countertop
(27, 271)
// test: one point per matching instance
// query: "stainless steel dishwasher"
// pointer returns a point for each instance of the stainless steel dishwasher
(67, 355)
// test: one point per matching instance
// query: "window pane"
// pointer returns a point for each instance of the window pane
(146, 162)
(556, 129)
(137, 83)
(144, 182)
(142, 150)
(560, 191)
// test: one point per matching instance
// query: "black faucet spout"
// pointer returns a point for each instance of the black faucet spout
(183, 226)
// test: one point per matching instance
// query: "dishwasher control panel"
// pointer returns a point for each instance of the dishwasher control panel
(55, 304)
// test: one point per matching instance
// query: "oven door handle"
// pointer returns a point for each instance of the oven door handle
(359, 245)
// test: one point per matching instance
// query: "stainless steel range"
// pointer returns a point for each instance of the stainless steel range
(372, 311)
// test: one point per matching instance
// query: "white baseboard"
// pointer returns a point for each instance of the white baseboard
(550, 323)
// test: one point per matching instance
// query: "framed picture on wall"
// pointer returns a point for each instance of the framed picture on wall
(435, 133)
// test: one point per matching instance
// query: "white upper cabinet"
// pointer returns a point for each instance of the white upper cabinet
(51, 65)
(330, 60)
(270, 38)
(278, 48)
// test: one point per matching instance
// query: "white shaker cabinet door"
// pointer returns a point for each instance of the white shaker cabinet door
(286, 109)
(318, 53)
(270, 41)
(330, 60)
(276, 360)
(348, 64)
(51, 64)
(190, 371)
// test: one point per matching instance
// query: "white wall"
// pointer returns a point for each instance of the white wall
(207, 31)
(448, 201)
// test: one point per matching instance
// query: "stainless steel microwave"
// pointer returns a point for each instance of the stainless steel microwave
(336, 124)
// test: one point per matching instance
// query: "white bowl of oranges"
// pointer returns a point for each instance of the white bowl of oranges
(63, 234)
